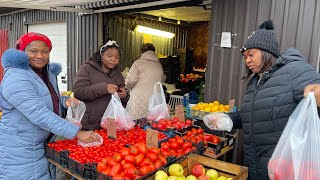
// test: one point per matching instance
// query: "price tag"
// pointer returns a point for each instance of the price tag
(152, 138)
(179, 112)
(231, 104)
(111, 127)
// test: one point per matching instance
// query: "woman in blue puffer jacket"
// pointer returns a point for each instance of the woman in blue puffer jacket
(31, 105)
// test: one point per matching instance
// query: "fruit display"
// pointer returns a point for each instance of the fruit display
(176, 147)
(107, 149)
(198, 172)
(201, 109)
(189, 77)
(132, 163)
(197, 135)
(165, 124)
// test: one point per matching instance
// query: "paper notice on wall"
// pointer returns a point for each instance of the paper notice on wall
(226, 39)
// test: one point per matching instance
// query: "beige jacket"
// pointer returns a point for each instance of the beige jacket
(143, 75)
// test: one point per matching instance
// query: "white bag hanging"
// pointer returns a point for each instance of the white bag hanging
(116, 111)
(296, 155)
(75, 113)
(158, 108)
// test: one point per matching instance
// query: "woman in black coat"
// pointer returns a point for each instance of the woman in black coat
(276, 85)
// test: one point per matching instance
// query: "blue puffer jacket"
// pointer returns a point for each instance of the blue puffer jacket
(267, 105)
(27, 120)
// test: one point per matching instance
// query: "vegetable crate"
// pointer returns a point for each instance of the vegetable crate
(229, 170)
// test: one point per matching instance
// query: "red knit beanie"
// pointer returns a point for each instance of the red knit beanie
(26, 39)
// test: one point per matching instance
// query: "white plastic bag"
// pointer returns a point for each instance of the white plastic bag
(218, 121)
(116, 111)
(158, 108)
(85, 145)
(296, 155)
(75, 113)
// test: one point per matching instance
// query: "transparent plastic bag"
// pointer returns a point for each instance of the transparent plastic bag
(75, 113)
(98, 143)
(296, 155)
(158, 108)
(116, 111)
(218, 121)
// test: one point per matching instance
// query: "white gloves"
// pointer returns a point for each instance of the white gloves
(218, 121)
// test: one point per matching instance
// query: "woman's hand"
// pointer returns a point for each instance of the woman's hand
(71, 100)
(111, 88)
(122, 93)
(316, 89)
(88, 136)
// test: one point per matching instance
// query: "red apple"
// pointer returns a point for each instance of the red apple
(203, 177)
(198, 170)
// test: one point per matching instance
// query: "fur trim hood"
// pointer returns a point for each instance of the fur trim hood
(13, 58)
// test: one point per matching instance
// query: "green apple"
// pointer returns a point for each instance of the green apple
(222, 178)
(191, 177)
(161, 175)
(172, 178)
(213, 174)
(176, 170)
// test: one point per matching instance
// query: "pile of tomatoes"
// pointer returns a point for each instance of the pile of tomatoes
(107, 149)
(198, 135)
(132, 163)
(176, 146)
(164, 124)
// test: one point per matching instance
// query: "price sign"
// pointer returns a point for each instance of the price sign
(111, 127)
(179, 112)
(152, 138)
(231, 104)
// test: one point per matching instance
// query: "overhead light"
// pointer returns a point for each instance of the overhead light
(160, 19)
(178, 22)
(155, 32)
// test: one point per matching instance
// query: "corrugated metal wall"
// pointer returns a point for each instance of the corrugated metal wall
(82, 40)
(3, 46)
(120, 28)
(16, 22)
(297, 24)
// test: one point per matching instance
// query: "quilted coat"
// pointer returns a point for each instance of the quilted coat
(143, 75)
(27, 120)
(267, 105)
(91, 87)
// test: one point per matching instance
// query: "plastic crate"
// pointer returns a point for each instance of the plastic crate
(90, 172)
(76, 167)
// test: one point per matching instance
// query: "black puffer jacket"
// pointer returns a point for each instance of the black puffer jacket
(267, 105)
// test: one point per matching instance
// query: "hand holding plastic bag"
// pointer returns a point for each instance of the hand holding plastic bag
(218, 121)
(296, 155)
(91, 144)
(75, 113)
(116, 111)
(158, 108)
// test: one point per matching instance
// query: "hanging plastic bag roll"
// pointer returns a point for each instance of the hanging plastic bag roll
(296, 155)
(158, 108)
(116, 111)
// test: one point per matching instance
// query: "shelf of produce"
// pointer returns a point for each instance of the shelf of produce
(64, 169)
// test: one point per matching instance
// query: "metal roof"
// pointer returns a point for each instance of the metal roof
(90, 6)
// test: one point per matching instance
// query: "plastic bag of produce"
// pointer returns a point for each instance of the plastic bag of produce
(158, 108)
(75, 113)
(218, 121)
(116, 111)
(98, 143)
(296, 155)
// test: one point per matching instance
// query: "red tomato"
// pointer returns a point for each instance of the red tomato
(124, 152)
(187, 145)
(144, 170)
(215, 139)
(200, 131)
(117, 157)
(101, 167)
(130, 159)
(172, 140)
(152, 167)
(154, 150)
(145, 162)
(180, 141)
(107, 171)
(207, 137)
(134, 150)
(128, 166)
(158, 164)
(174, 145)
(139, 158)
(142, 148)
(131, 172)
(164, 160)
(152, 156)
(115, 170)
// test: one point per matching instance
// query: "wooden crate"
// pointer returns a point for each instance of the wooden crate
(228, 170)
